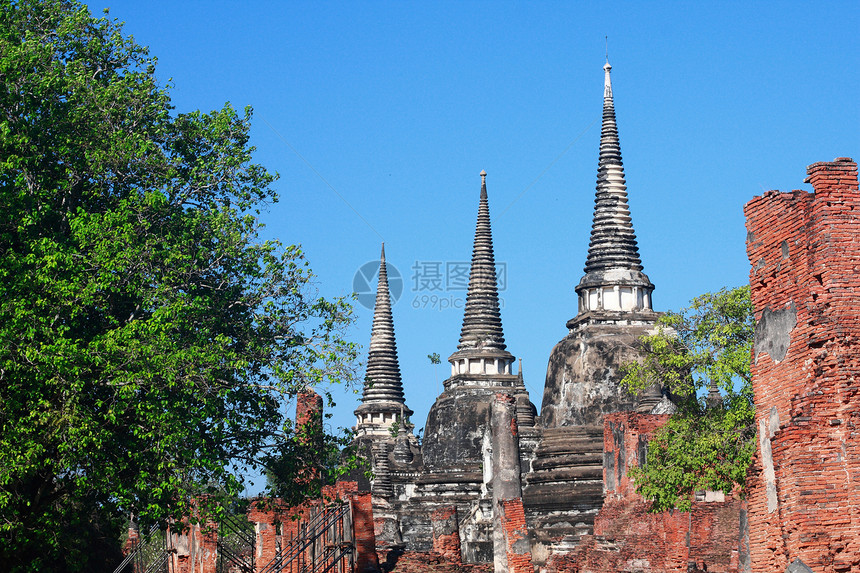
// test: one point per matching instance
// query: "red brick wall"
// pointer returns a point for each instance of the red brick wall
(517, 543)
(804, 249)
(366, 559)
(267, 517)
(446, 533)
(276, 524)
(622, 434)
(629, 538)
(196, 549)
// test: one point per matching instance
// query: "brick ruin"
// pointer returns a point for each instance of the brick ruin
(627, 537)
(804, 501)
(278, 540)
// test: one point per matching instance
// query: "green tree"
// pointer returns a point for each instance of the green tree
(701, 355)
(148, 338)
(306, 459)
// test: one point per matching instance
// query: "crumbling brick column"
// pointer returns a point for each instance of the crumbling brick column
(309, 432)
(446, 533)
(518, 553)
(309, 407)
(804, 248)
(366, 559)
(507, 488)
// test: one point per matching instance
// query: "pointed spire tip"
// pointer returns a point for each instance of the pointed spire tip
(606, 38)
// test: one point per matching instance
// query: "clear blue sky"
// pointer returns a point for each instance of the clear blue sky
(396, 107)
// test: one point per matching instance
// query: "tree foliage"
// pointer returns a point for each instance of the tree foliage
(148, 337)
(708, 443)
(299, 467)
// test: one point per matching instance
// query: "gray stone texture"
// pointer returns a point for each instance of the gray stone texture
(584, 374)
(773, 332)
(506, 470)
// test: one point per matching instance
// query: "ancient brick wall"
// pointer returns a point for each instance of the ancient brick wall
(804, 248)
(366, 559)
(421, 562)
(629, 538)
(517, 546)
(271, 524)
(277, 524)
(625, 440)
(446, 533)
(195, 549)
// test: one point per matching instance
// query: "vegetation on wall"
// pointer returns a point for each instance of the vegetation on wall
(701, 356)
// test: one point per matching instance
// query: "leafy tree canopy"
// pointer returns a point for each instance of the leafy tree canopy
(148, 337)
(701, 355)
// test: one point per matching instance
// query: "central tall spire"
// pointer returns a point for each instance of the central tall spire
(481, 334)
(613, 279)
(613, 241)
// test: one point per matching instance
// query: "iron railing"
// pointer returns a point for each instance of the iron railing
(236, 544)
(323, 543)
(150, 553)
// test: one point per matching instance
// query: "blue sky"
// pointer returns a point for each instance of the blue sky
(379, 116)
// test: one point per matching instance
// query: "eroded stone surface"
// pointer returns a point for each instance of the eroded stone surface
(773, 332)
(584, 374)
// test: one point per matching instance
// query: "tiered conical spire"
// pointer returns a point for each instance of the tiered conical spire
(613, 241)
(613, 279)
(482, 323)
(402, 453)
(525, 409)
(383, 384)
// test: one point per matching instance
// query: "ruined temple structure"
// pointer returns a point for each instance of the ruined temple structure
(558, 457)
(451, 474)
(383, 432)
(804, 501)
(495, 483)
(564, 489)
(475, 496)
(458, 440)
(494, 486)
